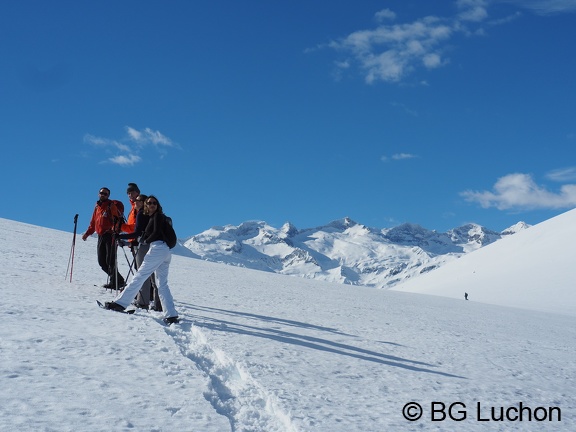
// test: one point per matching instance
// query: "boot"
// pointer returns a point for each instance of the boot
(172, 320)
(114, 306)
(121, 282)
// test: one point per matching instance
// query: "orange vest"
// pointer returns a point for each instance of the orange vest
(130, 224)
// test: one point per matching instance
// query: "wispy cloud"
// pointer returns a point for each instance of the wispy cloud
(545, 7)
(472, 10)
(384, 15)
(520, 192)
(562, 174)
(148, 136)
(126, 160)
(392, 51)
(404, 108)
(398, 156)
(105, 142)
(126, 151)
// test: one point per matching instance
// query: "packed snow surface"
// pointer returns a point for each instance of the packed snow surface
(259, 351)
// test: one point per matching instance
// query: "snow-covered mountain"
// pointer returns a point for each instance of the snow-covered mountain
(342, 251)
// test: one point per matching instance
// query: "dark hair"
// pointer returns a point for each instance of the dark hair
(132, 187)
(144, 198)
(104, 188)
(158, 207)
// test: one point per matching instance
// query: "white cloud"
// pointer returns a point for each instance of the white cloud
(105, 142)
(432, 61)
(148, 136)
(391, 52)
(519, 191)
(129, 148)
(385, 14)
(472, 10)
(398, 156)
(96, 141)
(125, 160)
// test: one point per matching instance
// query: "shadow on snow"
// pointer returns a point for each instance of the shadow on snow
(201, 320)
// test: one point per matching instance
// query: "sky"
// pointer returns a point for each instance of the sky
(434, 113)
(262, 352)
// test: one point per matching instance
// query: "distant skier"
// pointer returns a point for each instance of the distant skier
(466, 296)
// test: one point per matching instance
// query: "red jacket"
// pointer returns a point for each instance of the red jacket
(103, 218)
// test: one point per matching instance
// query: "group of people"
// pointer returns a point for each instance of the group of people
(144, 229)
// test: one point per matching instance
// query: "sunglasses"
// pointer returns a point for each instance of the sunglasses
(151, 203)
(104, 193)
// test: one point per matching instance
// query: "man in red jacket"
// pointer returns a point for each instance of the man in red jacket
(107, 217)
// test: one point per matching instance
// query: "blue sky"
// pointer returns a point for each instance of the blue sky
(435, 113)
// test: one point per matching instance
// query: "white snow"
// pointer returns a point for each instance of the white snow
(259, 351)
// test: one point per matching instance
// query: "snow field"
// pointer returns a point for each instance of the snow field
(261, 352)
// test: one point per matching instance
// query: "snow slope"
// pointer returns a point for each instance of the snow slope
(533, 269)
(265, 352)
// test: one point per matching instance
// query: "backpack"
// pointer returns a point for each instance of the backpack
(120, 207)
(169, 233)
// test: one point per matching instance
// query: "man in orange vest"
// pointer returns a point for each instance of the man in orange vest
(133, 191)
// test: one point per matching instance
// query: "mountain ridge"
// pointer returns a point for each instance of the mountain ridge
(342, 250)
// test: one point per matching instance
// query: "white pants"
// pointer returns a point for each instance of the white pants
(157, 261)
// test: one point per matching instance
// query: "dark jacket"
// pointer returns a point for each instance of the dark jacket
(141, 224)
(155, 229)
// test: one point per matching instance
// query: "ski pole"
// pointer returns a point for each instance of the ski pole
(71, 257)
(134, 250)
(116, 265)
(127, 261)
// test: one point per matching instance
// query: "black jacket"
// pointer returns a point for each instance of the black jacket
(141, 224)
(155, 229)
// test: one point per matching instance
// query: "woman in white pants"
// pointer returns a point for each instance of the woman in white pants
(157, 261)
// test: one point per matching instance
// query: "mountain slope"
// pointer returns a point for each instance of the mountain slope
(342, 251)
(541, 257)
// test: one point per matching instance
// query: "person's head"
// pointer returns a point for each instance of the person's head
(153, 205)
(132, 191)
(140, 199)
(103, 193)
